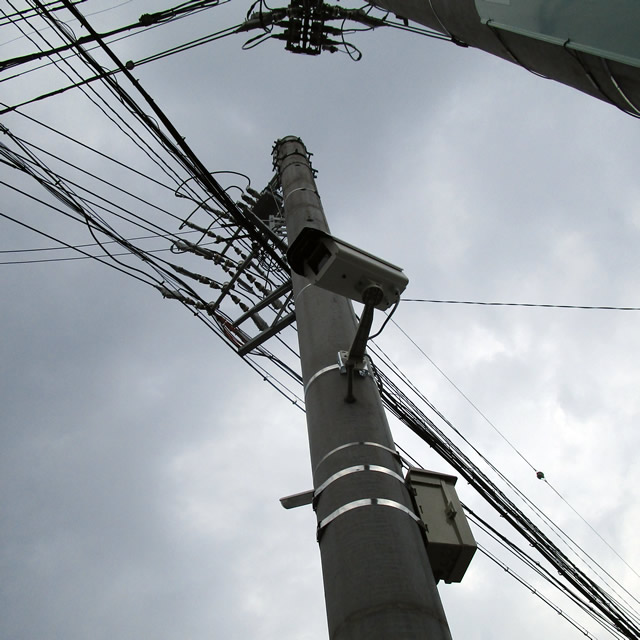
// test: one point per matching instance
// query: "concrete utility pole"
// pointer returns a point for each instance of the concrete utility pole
(377, 579)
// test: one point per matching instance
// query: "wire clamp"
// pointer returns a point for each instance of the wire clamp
(362, 367)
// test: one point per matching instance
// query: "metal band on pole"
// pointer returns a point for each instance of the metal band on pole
(317, 374)
(365, 502)
(356, 469)
(342, 447)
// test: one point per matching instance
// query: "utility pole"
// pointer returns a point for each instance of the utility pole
(377, 579)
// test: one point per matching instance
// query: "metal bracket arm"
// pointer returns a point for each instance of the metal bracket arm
(266, 334)
(355, 357)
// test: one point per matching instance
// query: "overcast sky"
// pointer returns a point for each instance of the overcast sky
(142, 461)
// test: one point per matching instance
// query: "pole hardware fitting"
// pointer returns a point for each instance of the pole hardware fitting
(362, 367)
(376, 468)
(355, 357)
(311, 496)
(365, 502)
(348, 445)
(317, 374)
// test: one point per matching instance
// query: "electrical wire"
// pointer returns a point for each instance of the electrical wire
(519, 453)
(92, 175)
(82, 213)
(105, 73)
(38, 55)
(534, 565)
(135, 63)
(74, 258)
(87, 147)
(561, 534)
(541, 596)
(525, 558)
(589, 591)
(558, 531)
(466, 398)
(269, 378)
(32, 166)
(386, 321)
(69, 246)
(55, 5)
(21, 163)
(523, 304)
(182, 151)
(88, 244)
(105, 203)
(98, 100)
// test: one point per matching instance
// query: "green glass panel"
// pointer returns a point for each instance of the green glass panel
(608, 28)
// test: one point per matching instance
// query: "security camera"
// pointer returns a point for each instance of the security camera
(341, 268)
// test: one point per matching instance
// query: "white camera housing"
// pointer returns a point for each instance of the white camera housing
(341, 268)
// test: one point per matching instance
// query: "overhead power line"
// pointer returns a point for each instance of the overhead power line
(408, 461)
(524, 304)
(540, 475)
(223, 33)
(535, 591)
(89, 244)
(611, 614)
(178, 147)
(199, 175)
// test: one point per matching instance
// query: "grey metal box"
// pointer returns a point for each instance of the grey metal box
(450, 543)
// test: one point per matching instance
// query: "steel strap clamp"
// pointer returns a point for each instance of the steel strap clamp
(365, 502)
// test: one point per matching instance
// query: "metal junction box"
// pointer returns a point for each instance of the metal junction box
(450, 543)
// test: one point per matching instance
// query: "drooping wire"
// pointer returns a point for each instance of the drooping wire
(178, 147)
(386, 321)
(98, 100)
(70, 246)
(86, 245)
